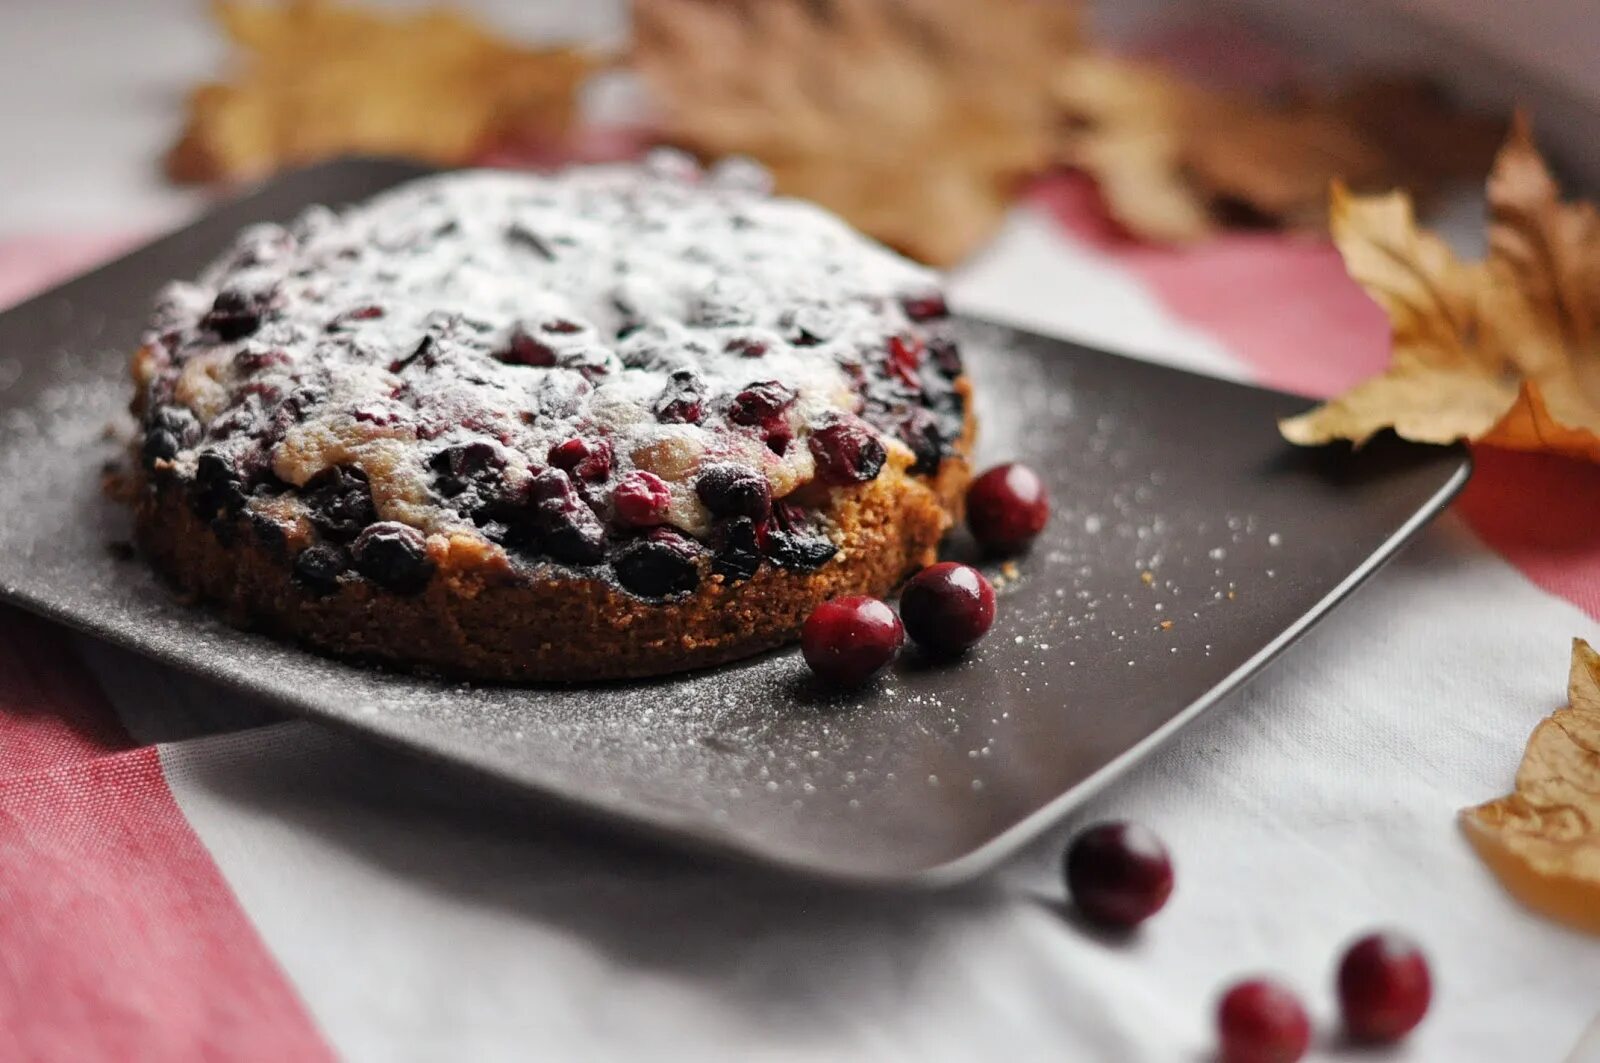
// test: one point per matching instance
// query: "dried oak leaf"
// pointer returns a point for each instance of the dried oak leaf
(1174, 160)
(1505, 351)
(913, 119)
(1543, 839)
(318, 79)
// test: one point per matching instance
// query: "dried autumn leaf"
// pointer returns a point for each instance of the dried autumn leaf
(1174, 159)
(317, 79)
(913, 119)
(1505, 351)
(1543, 839)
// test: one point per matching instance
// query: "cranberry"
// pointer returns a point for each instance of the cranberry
(524, 349)
(847, 452)
(1007, 507)
(1384, 987)
(1119, 874)
(905, 358)
(234, 314)
(946, 356)
(466, 465)
(219, 487)
(394, 556)
(947, 607)
(730, 490)
(641, 500)
(340, 502)
(567, 529)
(319, 566)
(586, 459)
(925, 306)
(848, 640)
(660, 565)
(738, 550)
(746, 348)
(682, 401)
(760, 403)
(1262, 1022)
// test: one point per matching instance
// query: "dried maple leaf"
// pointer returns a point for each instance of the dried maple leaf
(1543, 839)
(1174, 159)
(913, 119)
(1504, 351)
(317, 79)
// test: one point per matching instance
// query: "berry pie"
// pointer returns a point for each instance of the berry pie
(609, 422)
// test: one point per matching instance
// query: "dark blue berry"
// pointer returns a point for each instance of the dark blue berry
(340, 502)
(730, 490)
(465, 465)
(659, 565)
(234, 314)
(219, 489)
(318, 567)
(394, 556)
(738, 551)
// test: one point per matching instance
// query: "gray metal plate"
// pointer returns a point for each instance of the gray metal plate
(1188, 546)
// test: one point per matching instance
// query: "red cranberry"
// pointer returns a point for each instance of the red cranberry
(847, 640)
(926, 306)
(1384, 987)
(659, 565)
(847, 452)
(682, 401)
(1119, 874)
(641, 500)
(394, 556)
(760, 403)
(947, 607)
(1262, 1022)
(905, 358)
(746, 348)
(586, 459)
(524, 349)
(1007, 507)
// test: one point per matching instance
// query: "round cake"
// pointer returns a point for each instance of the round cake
(610, 422)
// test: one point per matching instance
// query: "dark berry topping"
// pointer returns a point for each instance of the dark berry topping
(760, 403)
(219, 488)
(738, 554)
(360, 313)
(318, 567)
(1119, 874)
(730, 490)
(946, 356)
(925, 306)
(659, 565)
(1007, 508)
(947, 607)
(561, 326)
(567, 529)
(340, 502)
(254, 358)
(467, 465)
(641, 500)
(791, 541)
(171, 428)
(682, 401)
(394, 556)
(525, 349)
(847, 452)
(920, 431)
(746, 348)
(905, 360)
(847, 641)
(235, 314)
(1262, 1022)
(585, 459)
(1384, 987)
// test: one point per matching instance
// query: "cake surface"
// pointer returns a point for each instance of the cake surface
(609, 422)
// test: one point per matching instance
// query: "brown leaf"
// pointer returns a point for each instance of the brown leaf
(317, 79)
(1506, 351)
(1543, 839)
(1174, 159)
(913, 119)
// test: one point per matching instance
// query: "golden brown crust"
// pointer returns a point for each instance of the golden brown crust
(479, 619)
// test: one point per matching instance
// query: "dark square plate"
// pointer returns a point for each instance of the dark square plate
(1189, 545)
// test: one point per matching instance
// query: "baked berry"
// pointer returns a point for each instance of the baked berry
(738, 554)
(746, 348)
(847, 452)
(219, 488)
(339, 501)
(234, 314)
(682, 401)
(476, 464)
(523, 348)
(905, 359)
(641, 500)
(921, 432)
(585, 459)
(947, 607)
(171, 429)
(798, 552)
(946, 356)
(318, 567)
(1119, 874)
(730, 490)
(1007, 507)
(394, 556)
(925, 306)
(760, 403)
(566, 528)
(661, 564)
(1384, 987)
(848, 640)
(1260, 1021)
